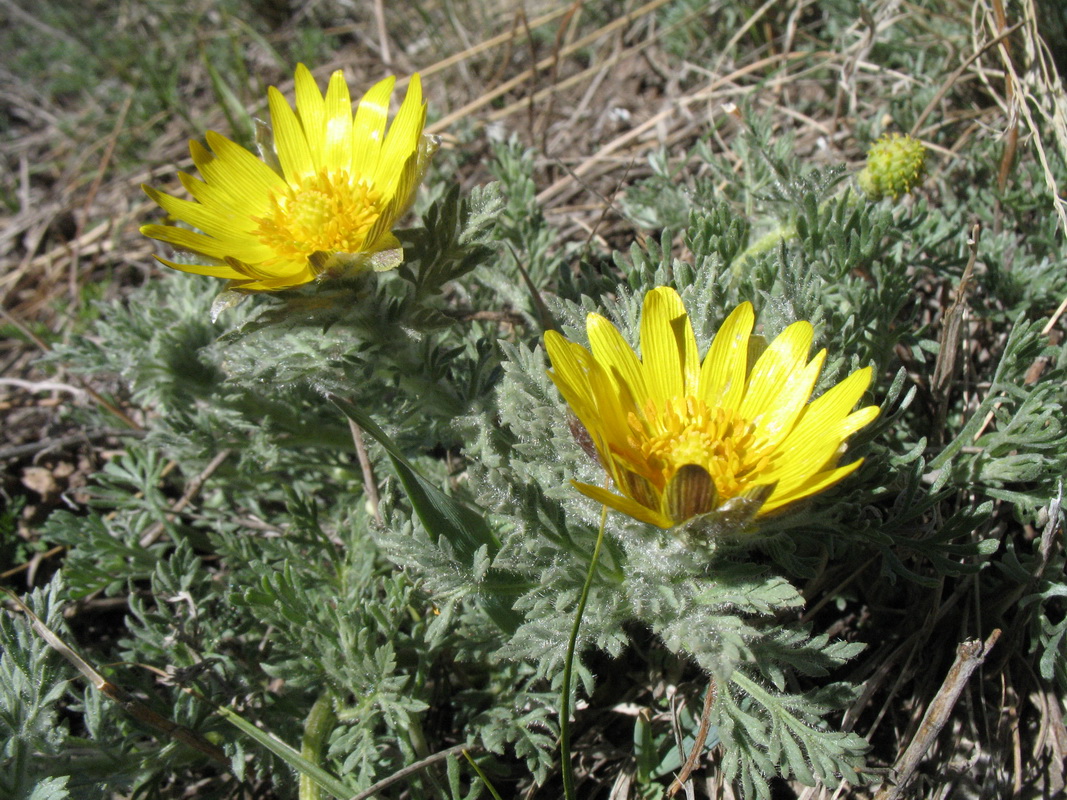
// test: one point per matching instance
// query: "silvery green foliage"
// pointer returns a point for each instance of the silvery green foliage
(699, 598)
(275, 585)
(1030, 583)
(924, 508)
(33, 678)
(271, 589)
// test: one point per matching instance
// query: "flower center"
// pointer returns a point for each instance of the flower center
(687, 431)
(330, 212)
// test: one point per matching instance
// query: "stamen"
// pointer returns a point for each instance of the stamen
(330, 212)
(687, 433)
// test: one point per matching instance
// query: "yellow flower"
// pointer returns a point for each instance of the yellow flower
(725, 441)
(324, 201)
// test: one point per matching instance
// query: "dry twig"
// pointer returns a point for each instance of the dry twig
(969, 656)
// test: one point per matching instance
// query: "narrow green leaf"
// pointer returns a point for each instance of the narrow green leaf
(287, 754)
(465, 529)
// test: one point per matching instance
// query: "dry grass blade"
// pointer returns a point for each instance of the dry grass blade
(944, 366)
(480, 102)
(370, 483)
(1041, 89)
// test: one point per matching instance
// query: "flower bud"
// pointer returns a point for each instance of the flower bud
(895, 163)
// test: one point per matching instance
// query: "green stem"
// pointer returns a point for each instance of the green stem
(320, 722)
(485, 780)
(568, 665)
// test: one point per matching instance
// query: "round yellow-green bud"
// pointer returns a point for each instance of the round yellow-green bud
(895, 163)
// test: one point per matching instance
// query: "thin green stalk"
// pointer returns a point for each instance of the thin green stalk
(568, 665)
(485, 780)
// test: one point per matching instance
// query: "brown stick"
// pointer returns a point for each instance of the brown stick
(116, 694)
(411, 769)
(953, 319)
(1055, 316)
(155, 530)
(969, 656)
(698, 745)
(383, 33)
(370, 483)
(1011, 141)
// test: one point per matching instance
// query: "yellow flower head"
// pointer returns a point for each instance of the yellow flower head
(335, 185)
(728, 440)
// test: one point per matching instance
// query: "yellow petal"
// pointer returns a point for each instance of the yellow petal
(428, 145)
(623, 504)
(381, 228)
(368, 128)
(570, 374)
(793, 395)
(813, 485)
(668, 346)
(289, 139)
(387, 241)
(821, 455)
(187, 240)
(236, 171)
(274, 284)
(586, 388)
(410, 178)
(275, 275)
(231, 228)
(212, 270)
(402, 141)
(618, 360)
(860, 419)
(311, 111)
(815, 440)
(825, 416)
(337, 147)
(725, 368)
(212, 197)
(785, 355)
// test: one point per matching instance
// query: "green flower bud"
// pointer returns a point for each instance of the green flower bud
(895, 163)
